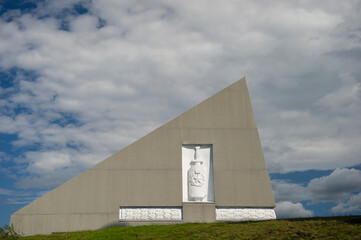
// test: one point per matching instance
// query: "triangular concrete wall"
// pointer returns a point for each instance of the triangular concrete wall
(148, 172)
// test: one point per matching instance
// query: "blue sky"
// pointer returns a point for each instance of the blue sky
(80, 80)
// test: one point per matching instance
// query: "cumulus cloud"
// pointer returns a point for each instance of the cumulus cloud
(284, 191)
(90, 77)
(288, 209)
(353, 204)
(337, 186)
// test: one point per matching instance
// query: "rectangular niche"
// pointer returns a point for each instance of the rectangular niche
(197, 173)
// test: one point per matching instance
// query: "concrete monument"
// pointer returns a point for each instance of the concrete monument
(205, 165)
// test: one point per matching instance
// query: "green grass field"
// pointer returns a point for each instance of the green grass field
(307, 228)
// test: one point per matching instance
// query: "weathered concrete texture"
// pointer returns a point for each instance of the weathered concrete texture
(148, 173)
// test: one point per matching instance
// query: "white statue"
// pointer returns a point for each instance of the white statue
(197, 187)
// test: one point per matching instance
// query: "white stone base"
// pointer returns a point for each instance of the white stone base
(245, 214)
(150, 214)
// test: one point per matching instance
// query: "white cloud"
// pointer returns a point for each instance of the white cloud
(284, 191)
(47, 161)
(337, 186)
(292, 210)
(4, 191)
(97, 90)
(15, 197)
(353, 204)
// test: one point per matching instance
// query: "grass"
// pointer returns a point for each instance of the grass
(306, 228)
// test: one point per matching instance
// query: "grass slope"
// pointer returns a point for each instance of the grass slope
(307, 228)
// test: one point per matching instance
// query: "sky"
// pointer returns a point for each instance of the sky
(80, 80)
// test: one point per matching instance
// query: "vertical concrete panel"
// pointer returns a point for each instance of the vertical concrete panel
(221, 149)
(113, 219)
(100, 195)
(204, 114)
(80, 222)
(27, 222)
(223, 187)
(138, 188)
(44, 205)
(238, 149)
(189, 118)
(63, 198)
(82, 193)
(156, 149)
(270, 199)
(99, 221)
(241, 188)
(23, 224)
(220, 110)
(105, 164)
(155, 190)
(250, 120)
(119, 189)
(122, 159)
(173, 149)
(260, 187)
(61, 223)
(254, 150)
(173, 187)
(189, 136)
(140, 149)
(204, 136)
(237, 111)
(28, 209)
(17, 222)
(42, 224)
(237, 86)
(174, 123)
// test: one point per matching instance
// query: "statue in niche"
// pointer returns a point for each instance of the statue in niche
(197, 187)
